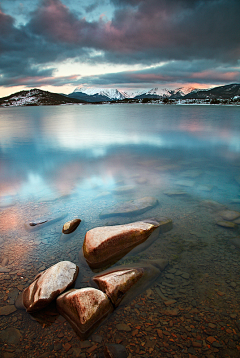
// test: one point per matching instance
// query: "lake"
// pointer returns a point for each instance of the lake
(77, 161)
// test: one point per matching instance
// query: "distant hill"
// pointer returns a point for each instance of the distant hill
(36, 97)
(221, 92)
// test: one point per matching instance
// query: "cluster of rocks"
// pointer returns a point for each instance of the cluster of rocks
(86, 308)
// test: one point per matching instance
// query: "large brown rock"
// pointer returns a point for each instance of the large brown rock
(105, 245)
(85, 309)
(132, 207)
(122, 284)
(116, 283)
(49, 284)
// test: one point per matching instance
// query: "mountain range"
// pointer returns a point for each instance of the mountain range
(36, 97)
(90, 94)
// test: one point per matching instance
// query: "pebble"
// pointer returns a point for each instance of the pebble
(6, 310)
(123, 327)
(10, 335)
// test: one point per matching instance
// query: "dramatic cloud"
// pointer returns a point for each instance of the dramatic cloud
(204, 71)
(196, 39)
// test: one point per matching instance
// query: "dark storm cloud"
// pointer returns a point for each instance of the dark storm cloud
(174, 71)
(143, 32)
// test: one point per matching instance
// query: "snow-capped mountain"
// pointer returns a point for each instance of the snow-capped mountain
(111, 93)
(94, 94)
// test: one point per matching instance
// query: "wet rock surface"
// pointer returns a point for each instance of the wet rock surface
(70, 226)
(103, 245)
(49, 284)
(128, 208)
(84, 309)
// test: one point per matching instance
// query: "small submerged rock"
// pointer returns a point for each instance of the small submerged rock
(40, 223)
(10, 336)
(132, 207)
(48, 285)
(125, 189)
(104, 245)
(70, 226)
(227, 224)
(85, 309)
(229, 215)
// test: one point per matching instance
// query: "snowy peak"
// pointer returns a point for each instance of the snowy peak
(95, 94)
(111, 93)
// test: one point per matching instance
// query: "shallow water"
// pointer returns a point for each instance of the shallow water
(79, 160)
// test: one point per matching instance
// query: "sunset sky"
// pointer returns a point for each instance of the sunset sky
(57, 45)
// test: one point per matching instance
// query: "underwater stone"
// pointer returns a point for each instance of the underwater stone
(10, 336)
(104, 245)
(49, 284)
(227, 224)
(40, 223)
(229, 215)
(132, 207)
(85, 309)
(70, 226)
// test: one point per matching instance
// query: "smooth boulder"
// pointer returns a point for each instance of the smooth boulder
(105, 245)
(116, 283)
(70, 226)
(85, 309)
(123, 284)
(132, 207)
(49, 284)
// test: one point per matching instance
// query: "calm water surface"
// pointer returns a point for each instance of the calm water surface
(79, 160)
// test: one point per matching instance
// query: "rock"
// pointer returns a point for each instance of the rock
(104, 245)
(132, 207)
(229, 215)
(40, 223)
(205, 187)
(165, 224)
(6, 310)
(236, 242)
(123, 284)
(49, 284)
(70, 226)
(4, 270)
(123, 189)
(175, 193)
(227, 224)
(4, 261)
(212, 205)
(116, 283)
(84, 309)
(10, 336)
(123, 327)
(115, 351)
(187, 183)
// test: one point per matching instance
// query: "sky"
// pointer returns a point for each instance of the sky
(58, 45)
